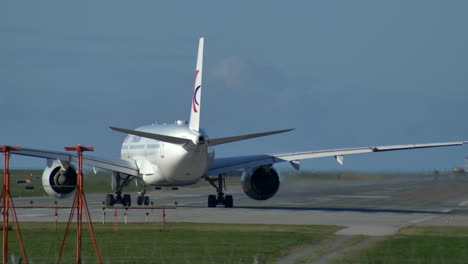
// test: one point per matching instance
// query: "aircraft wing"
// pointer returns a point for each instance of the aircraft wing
(123, 166)
(224, 165)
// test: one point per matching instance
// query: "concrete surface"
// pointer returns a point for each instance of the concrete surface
(373, 207)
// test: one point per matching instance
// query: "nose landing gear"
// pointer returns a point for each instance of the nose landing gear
(142, 199)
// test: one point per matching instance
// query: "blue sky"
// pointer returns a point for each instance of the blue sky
(343, 73)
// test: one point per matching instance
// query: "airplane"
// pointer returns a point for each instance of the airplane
(181, 154)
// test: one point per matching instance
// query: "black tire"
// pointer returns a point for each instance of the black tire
(139, 200)
(211, 201)
(146, 200)
(228, 201)
(110, 201)
(127, 200)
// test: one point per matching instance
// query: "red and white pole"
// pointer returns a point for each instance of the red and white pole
(79, 203)
(7, 205)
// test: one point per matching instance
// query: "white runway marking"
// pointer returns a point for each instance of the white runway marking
(360, 196)
(177, 195)
(420, 220)
(32, 215)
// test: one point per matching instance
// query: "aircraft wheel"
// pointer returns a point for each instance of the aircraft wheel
(211, 201)
(140, 200)
(228, 201)
(146, 200)
(110, 201)
(127, 200)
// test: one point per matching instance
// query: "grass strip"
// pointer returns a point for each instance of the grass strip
(415, 244)
(330, 248)
(182, 243)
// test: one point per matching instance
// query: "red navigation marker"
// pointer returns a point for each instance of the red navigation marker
(78, 204)
(7, 205)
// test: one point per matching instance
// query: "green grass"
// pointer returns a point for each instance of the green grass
(182, 243)
(18, 189)
(323, 251)
(418, 244)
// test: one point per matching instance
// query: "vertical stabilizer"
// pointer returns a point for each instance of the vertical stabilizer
(196, 96)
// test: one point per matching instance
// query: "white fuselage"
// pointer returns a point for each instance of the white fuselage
(166, 164)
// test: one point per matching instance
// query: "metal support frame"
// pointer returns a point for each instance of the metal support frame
(128, 179)
(7, 205)
(79, 203)
(219, 188)
(121, 182)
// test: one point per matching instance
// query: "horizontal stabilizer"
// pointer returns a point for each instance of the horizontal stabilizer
(168, 139)
(218, 141)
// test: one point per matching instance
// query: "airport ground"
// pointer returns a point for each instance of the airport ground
(368, 209)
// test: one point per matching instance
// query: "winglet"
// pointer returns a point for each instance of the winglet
(196, 95)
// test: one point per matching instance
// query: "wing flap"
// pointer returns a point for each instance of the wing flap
(224, 165)
(349, 151)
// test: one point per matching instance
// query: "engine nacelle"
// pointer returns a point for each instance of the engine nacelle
(261, 184)
(59, 179)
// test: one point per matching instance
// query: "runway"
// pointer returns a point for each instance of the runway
(373, 207)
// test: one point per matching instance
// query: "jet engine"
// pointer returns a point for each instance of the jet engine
(261, 184)
(59, 179)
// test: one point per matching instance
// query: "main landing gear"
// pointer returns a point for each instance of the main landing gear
(119, 183)
(142, 199)
(125, 200)
(222, 199)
